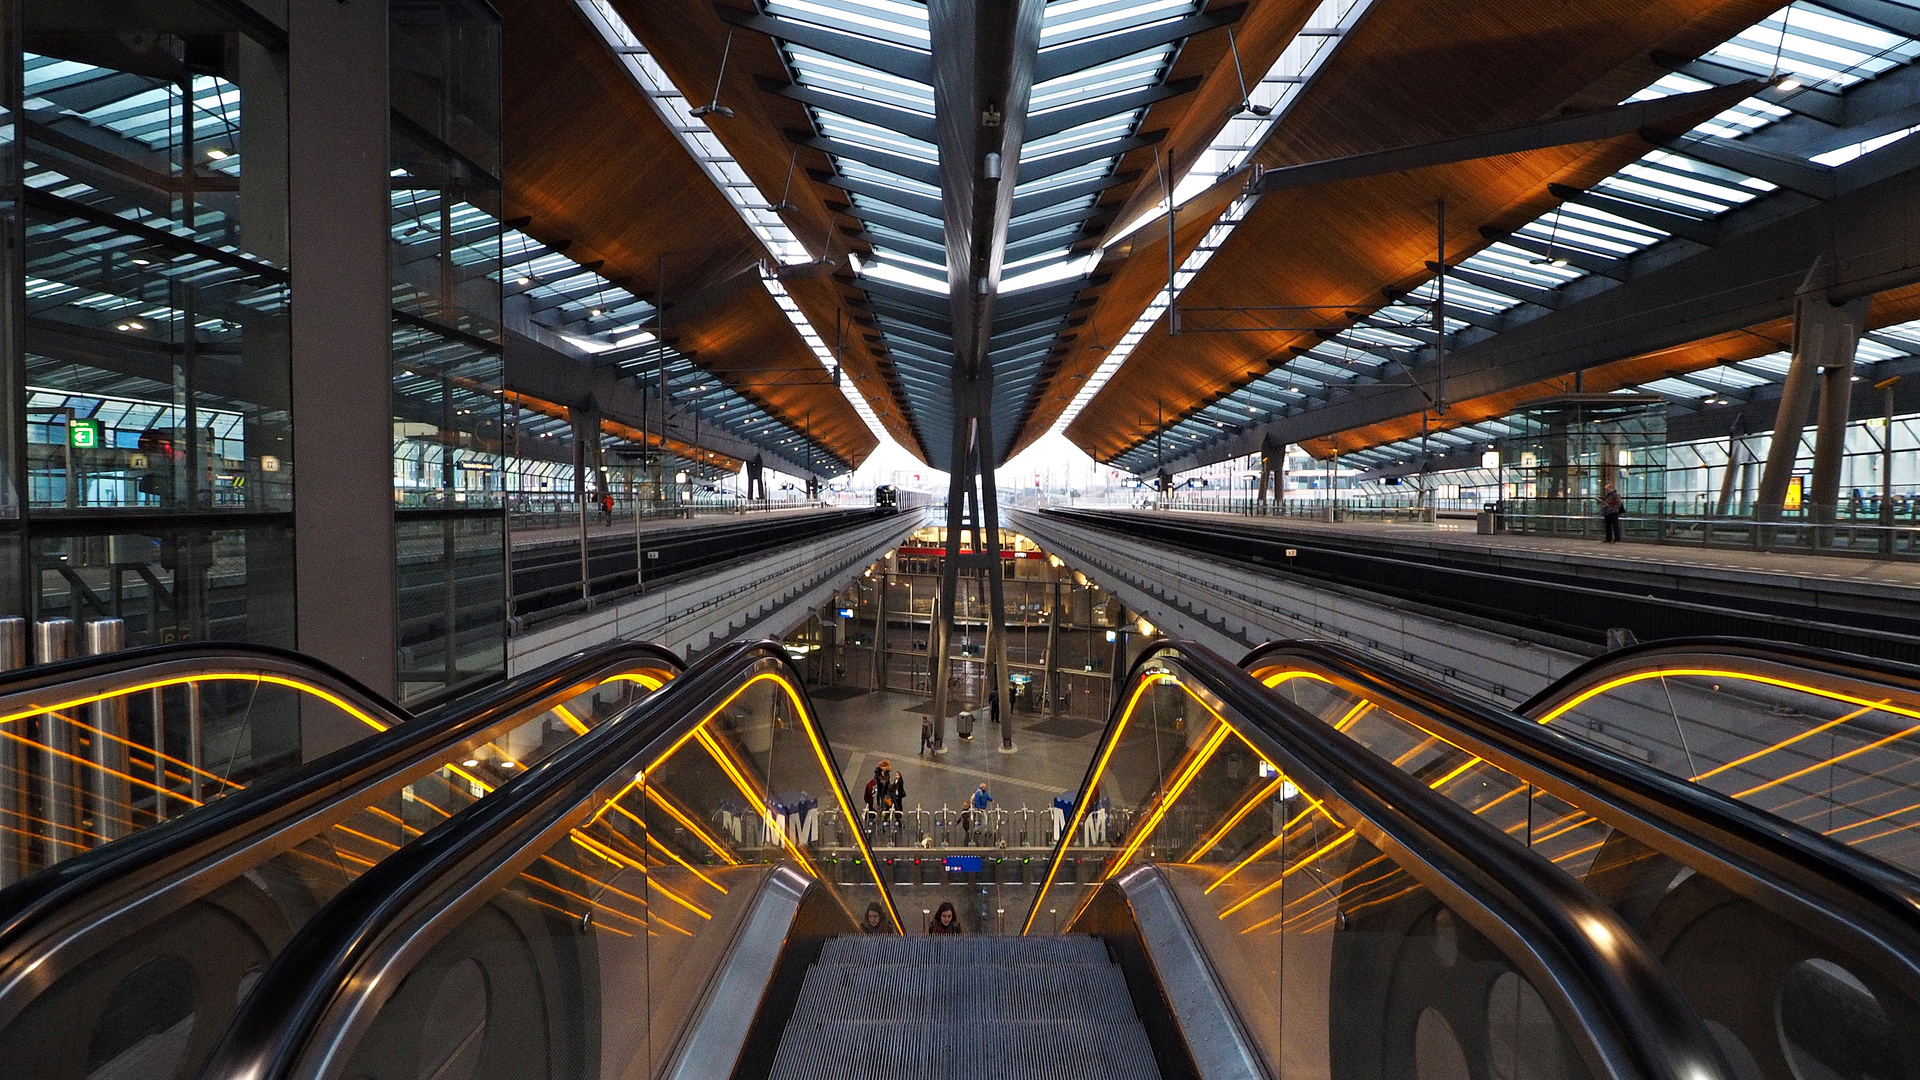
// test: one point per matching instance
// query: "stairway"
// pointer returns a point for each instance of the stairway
(971, 1008)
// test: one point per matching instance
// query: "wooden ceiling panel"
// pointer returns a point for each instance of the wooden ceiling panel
(1336, 244)
(687, 40)
(1888, 309)
(589, 161)
(1411, 72)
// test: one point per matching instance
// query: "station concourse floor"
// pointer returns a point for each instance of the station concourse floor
(1814, 573)
(864, 729)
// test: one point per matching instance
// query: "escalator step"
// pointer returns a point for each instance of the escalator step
(885, 1007)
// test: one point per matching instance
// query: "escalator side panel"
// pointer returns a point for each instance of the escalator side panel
(1760, 937)
(646, 846)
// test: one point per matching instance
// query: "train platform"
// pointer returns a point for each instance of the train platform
(1727, 567)
(655, 526)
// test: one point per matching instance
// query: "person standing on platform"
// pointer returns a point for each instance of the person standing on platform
(897, 798)
(1611, 507)
(993, 706)
(926, 734)
(945, 920)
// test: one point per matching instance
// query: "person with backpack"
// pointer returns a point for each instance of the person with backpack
(1611, 507)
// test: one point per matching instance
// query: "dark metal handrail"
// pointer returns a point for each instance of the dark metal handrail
(1800, 875)
(320, 984)
(48, 920)
(26, 687)
(1844, 665)
(1612, 995)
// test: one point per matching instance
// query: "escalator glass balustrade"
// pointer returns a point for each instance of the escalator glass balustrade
(581, 923)
(1788, 993)
(128, 956)
(1341, 925)
(1829, 742)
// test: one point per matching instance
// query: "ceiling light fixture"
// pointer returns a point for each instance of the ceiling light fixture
(218, 154)
(1246, 99)
(714, 108)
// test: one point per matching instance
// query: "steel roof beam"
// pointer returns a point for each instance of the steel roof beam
(911, 124)
(867, 52)
(1687, 228)
(1055, 121)
(1670, 298)
(1060, 60)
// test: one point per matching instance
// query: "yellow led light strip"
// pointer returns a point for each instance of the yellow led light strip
(750, 791)
(1861, 704)
(1719, 673)
(1086, 794)
(1172, 793)
(1247, 807)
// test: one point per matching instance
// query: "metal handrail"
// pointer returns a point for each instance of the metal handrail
(1844, 665)
(54, 920)
(1614, 998)
(1800, 875)
(316, 993)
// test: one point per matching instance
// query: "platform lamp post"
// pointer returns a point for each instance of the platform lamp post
(1885, 386)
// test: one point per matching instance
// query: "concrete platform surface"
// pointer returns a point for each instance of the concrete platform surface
(1814, 573)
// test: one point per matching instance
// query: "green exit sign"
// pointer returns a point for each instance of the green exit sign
(83, 434)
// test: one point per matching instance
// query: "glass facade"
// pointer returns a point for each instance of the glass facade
(1567, 451)
(147, 444)
(147, 440)
(448, 393)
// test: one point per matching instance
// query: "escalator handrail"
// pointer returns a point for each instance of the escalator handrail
(23, 689)
(99, 893)
(1891, 673)
(388, 915)
(1827, 883)
(1617, 998)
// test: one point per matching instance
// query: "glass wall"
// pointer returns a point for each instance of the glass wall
(147, 448)
(448, 400)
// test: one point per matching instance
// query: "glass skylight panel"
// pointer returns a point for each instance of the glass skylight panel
(1676, 388)
(900, 24)
(1076, 20)
(1774, 364)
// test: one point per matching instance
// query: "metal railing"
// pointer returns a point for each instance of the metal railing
(549, 514)
(1859, 533)
(948, 827)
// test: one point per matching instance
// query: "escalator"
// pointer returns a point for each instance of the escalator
(1305, 867)
(1828, 741)
(170, 826)
(1801, 954)
(1242, 891)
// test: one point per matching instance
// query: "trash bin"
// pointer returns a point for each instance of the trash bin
(1487, 521)
(963, 724)
(1326, 515)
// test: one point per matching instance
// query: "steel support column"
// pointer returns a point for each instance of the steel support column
(1823, 335)
(984, 57)
(1830, 436)
(338, 219)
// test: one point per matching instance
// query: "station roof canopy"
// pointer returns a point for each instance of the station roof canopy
(1629, 192)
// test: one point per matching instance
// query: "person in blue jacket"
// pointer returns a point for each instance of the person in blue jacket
(982, 799)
